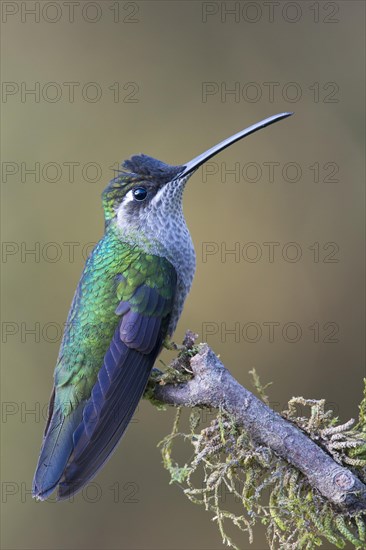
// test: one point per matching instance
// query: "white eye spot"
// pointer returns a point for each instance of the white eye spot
(128, 197)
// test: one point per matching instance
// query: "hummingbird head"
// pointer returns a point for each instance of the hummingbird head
(138, 189)
(146, 195)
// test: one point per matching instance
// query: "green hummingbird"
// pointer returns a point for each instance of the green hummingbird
(126, 305)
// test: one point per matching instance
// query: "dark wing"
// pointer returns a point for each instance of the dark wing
(115, 396)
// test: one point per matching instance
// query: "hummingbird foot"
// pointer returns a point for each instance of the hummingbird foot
(172, 346)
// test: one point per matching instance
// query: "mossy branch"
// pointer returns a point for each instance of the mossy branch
(314, 466)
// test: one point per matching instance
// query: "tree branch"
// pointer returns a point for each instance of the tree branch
(213, 386)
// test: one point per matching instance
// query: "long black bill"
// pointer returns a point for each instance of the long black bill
(192, 165)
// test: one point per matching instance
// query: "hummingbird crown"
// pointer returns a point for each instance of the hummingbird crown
(150, 168)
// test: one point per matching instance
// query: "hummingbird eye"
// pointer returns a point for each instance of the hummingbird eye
(139, 194)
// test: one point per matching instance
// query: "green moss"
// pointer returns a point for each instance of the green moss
(269, 491)
(362, 418)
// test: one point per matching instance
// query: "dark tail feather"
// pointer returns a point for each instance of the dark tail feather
(115, 396)
(56, 449)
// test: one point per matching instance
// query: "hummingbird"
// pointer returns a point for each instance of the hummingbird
(125, 308)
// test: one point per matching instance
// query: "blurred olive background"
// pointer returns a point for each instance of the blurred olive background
(164, 71)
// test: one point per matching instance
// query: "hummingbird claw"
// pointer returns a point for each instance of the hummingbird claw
(172, 346)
